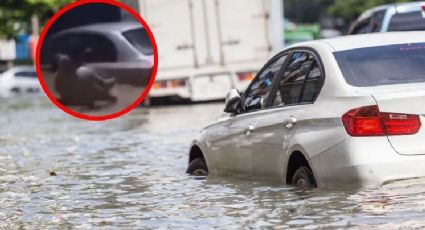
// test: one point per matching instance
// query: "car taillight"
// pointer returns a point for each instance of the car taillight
(178, 83)
(401, 124)
(169, 84)
(423, 11)
(246, 76)
(369, 121)
(160, 84)
(363, 121)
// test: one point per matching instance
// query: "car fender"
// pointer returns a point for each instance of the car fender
(289, 152)
(200, 143)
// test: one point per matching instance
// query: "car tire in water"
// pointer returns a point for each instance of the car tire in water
(303, 177)
(197, 167)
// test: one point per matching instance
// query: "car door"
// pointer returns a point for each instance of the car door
(298, 87)
(99, 52)
(233, 145)
(111, 56)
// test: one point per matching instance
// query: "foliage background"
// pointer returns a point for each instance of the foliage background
(15, 15)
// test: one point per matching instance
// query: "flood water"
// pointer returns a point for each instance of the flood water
(129, 173)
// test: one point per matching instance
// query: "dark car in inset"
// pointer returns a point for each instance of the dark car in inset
(120, 50)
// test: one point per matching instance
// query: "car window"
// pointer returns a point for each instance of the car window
(257, 94)
(66, 44)
(26, 74)
(377, 20)
(361, 27)
(407, 22)
(140, 40)
(301, 82)
(313, 84)
(370, 24)
(91, 48)
(383, 65)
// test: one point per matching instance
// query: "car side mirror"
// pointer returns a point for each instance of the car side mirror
(254, 104)
(233, 100)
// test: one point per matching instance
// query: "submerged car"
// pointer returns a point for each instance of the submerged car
(342, 111)
(408, 16)
(19, 79)
(120, 50)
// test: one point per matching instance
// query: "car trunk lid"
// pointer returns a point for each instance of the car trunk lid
(411, 103)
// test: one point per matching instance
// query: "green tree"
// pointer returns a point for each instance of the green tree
(15, 15)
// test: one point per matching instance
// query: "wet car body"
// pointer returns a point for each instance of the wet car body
(120, 50)
(19, 79)
(341, 127)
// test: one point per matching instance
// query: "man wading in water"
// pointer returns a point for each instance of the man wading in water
(79, 84)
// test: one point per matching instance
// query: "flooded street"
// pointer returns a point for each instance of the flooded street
(129, 173)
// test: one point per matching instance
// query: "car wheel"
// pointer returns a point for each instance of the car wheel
(197, 167)
(303, 177)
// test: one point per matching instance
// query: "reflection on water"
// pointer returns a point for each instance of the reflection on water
(130, 173)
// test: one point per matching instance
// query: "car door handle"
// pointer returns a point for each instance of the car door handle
(249, 130)
(290, 122)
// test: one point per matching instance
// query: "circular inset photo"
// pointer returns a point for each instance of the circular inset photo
(96, 59)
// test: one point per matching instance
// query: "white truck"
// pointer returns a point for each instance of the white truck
(208, 47)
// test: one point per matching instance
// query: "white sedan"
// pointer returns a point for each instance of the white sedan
(19, 79)
(342, 111)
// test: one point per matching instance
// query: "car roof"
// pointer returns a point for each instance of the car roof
(22, 68)
(398, 7)
(409, 6)
(109, 27)
(350, 42)
(371, 11)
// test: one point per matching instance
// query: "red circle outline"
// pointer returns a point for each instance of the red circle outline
(108, 116)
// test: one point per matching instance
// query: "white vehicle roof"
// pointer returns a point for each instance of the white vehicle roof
(109, 27)
(21, 68)
(398, 7)
(368, 40)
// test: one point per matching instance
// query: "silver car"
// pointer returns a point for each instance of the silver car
(342, 111)
(17, 80)
(120, 50)
(408, 16)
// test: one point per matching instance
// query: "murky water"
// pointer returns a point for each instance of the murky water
(129, 173)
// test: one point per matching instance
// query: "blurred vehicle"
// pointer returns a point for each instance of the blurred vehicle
(329, 33)
(121, 50)
(20, 79)
(341, 111)
(207, 48)
(392, 17)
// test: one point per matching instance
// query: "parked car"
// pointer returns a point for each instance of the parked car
(20, 79)
(392, 17)
(121, 50)
(341, 111)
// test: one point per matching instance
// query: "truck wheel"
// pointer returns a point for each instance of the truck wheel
(303, 177)
(197, 167)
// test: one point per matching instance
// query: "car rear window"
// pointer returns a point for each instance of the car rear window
(407, 22)
(140, 40)
(383, 65)
(26, 74)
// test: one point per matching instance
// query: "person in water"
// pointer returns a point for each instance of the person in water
(79, 84)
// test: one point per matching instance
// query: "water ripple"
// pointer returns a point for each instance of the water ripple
(129, 173)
